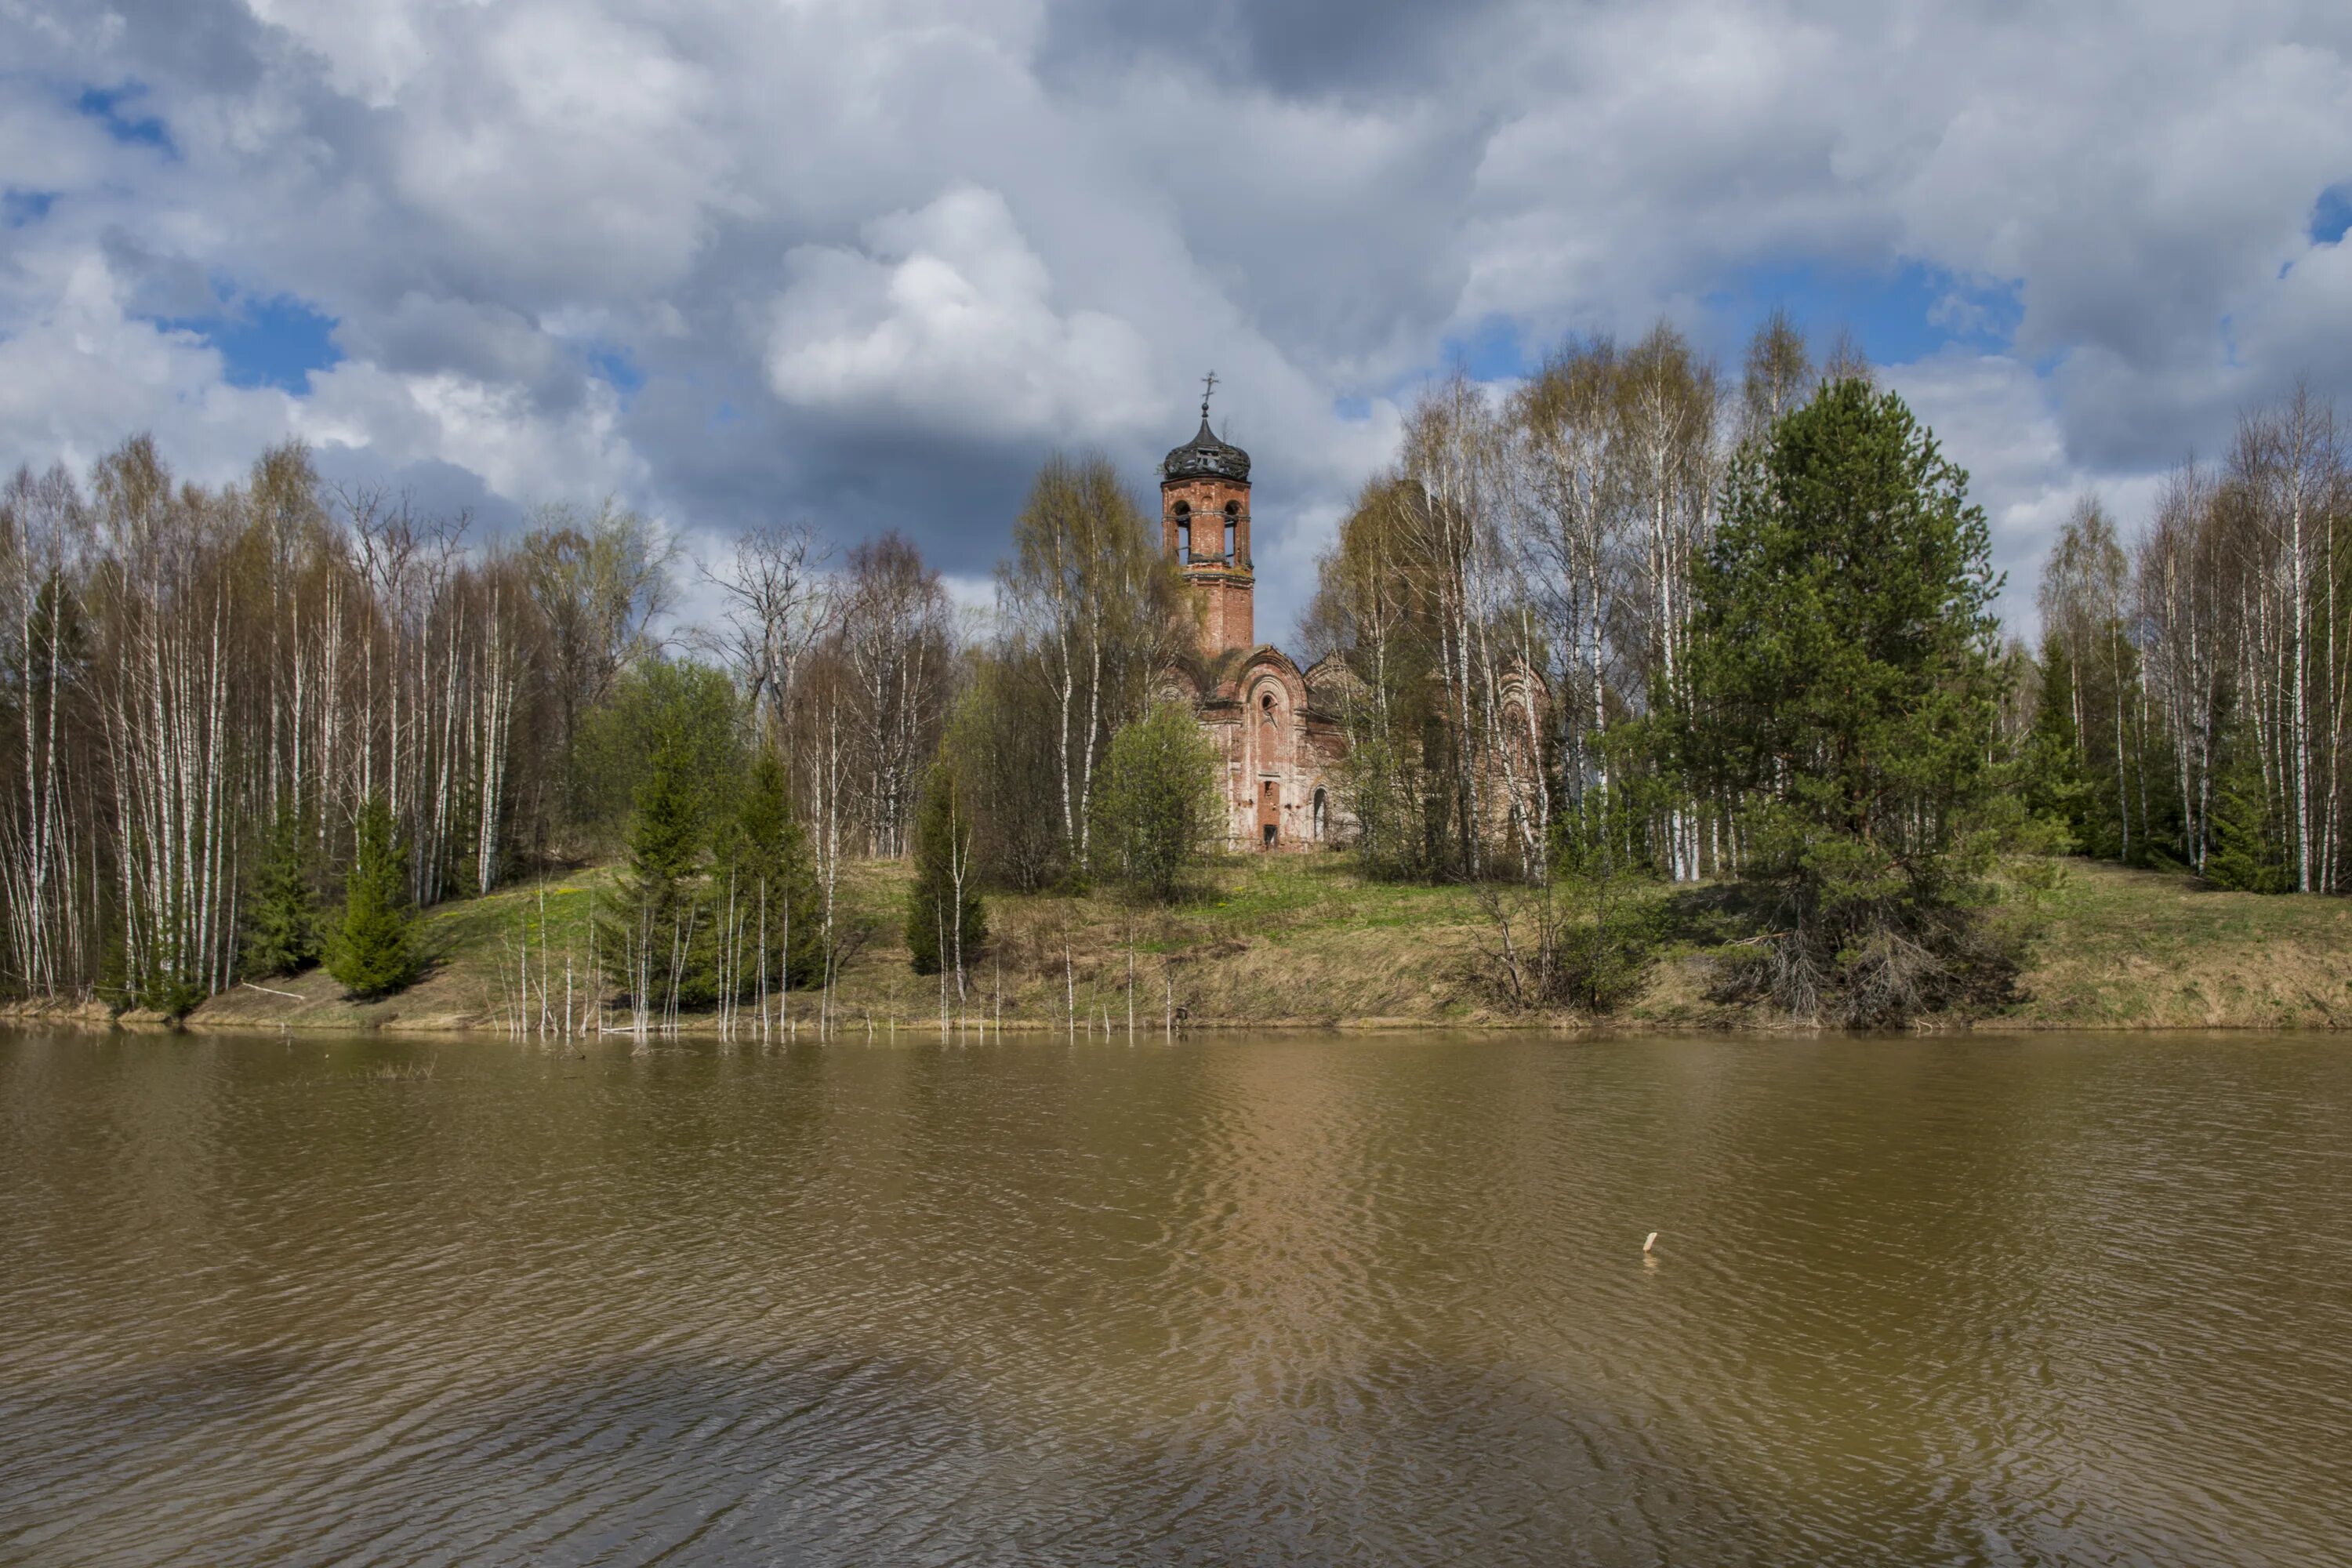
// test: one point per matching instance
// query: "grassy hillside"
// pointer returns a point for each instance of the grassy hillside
(1303, 939)
(2121, 949)
(1285, 939)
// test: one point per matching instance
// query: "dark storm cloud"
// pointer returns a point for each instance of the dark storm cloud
(167, 286)
(218, 45)
(494, 343)
(1355, 49)
(431, 489)
(736, 471)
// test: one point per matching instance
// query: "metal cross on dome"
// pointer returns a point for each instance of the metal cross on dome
(1208, 386)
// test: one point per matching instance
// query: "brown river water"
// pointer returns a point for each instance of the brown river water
(1273, 1300)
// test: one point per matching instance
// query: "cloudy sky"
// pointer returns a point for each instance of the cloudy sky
(864, 261)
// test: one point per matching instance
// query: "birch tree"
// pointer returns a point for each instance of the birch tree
(893, 630)
(1096, 605)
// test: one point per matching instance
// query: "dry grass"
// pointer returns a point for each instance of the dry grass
(2113, 948)
(1293, 939)
(1285, 939)
(1305, 940)
(472, 949)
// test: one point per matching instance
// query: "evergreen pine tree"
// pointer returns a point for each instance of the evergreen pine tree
(373, 950)
(2055, 790)
(2249, 851)
(657, 943)
(174, 993)
(113, 985)
(1843, 689)
(282, 914)
(946, 920)
(774, 871)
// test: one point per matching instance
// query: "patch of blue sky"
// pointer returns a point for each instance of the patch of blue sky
(1352, 410)
(1898, 313)
(22, 209)
(618, 369)
(116, 108)
(2331, 215)
(2045, 365)
(279, 341)
(1494, 350)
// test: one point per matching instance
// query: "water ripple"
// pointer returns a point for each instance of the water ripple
(1282, 1300)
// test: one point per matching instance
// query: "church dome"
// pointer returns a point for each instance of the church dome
(1206, 457)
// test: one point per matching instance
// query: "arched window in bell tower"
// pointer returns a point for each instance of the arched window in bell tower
(1207, 538)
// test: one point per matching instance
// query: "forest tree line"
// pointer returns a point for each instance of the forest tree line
(2189, 707)
(227, 708)
(2188, 697)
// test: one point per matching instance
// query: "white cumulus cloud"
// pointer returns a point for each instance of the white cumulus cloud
(946, 316)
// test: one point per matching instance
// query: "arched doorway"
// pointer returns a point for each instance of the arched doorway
(1321, 818)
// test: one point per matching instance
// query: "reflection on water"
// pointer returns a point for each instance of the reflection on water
(1291, 1300)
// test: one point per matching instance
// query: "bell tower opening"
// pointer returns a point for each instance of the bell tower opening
(1204, 489)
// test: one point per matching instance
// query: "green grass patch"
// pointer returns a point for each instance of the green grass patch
(1307, 939)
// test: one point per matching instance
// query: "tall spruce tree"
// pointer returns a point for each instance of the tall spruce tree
(2054, 788)
(946, 919)
(657, 943)
(775, 877)
(282, 913)
(2250, 845)
(1843, 695)
(373, 949)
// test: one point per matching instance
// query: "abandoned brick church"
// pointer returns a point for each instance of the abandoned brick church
(1276, 726)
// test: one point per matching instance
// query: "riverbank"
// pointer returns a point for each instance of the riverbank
(1306, 941)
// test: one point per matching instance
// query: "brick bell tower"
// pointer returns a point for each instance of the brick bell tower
(1205, 522)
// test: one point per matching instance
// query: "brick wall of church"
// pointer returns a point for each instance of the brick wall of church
(1224, 606)
(1279, 757)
